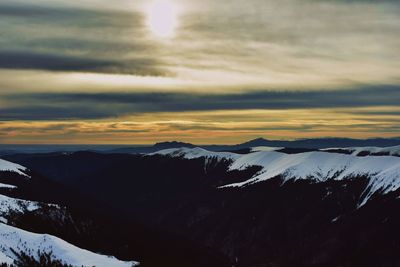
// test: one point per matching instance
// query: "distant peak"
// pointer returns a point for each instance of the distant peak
(173, 144)
(256, 142)
(258, 139)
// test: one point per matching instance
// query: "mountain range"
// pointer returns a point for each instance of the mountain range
(184, 205)
(310, 144)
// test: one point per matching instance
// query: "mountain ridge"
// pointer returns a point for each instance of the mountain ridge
(383, 172)
(274, 222)
(312, 143)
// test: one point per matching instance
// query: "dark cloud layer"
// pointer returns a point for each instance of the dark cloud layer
(73, 15)
(45, 61)
(8, 9)
(104, 105)
(38, 113)
(75, 39)
(359, 1)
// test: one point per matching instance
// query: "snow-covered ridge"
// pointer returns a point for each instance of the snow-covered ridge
(194, 153)
(383, 171)
(12, 167)
(7, 186)
(265, 148)
(30, 243)
(8, 204)
(392, 151)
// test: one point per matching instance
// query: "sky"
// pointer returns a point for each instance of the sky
(210, 71)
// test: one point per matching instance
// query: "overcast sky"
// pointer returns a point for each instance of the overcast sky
(98, 71)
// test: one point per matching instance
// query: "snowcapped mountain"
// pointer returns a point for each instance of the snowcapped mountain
(366, 151)
(15, 242)
(383, 172)
(285, 207)
(197, 152)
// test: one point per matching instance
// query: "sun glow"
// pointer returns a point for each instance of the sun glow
(162, 18)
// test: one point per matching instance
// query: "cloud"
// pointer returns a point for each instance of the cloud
(203, 127)
(9, 9)
(62, 13)
(222, 51)
(39, 113)
(53, 62)
(57, 38)
(359, 1)
(59, 106)
(253, 42)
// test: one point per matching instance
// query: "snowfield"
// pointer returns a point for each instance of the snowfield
(194, 153)
(392, 151)
(31, 243)
(12, 167)
(8, 204)
(265, 148)
(383, 171)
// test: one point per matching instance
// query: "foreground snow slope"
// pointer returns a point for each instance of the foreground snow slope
(30, 243)
(383, 171)
(21, 241)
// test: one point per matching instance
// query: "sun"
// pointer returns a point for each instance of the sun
(162, 18)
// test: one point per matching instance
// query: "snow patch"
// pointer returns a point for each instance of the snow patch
(12, 167)
(265, 148)
(8, 204)
(390, 151)
(7, 186)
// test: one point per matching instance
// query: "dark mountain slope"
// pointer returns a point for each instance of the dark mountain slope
(268, 224)
(97, 224)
